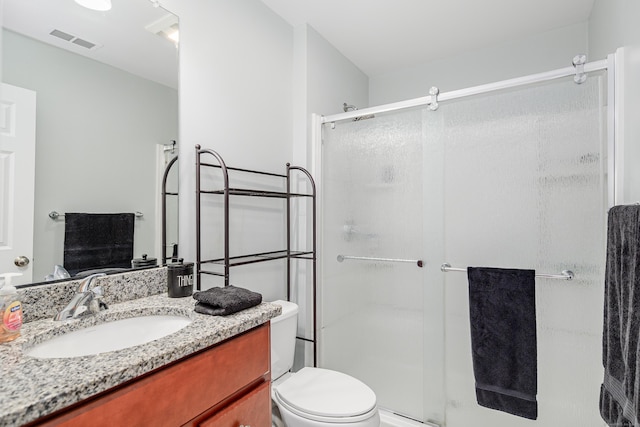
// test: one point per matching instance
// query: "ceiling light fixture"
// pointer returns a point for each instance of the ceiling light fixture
(101, 5)
(174, 35)
(166, 27)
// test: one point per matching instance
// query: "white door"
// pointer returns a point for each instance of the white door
(17, 177)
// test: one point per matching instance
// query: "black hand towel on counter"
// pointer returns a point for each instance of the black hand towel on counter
(224, 301)
(94, 241)
(503, 339)
(620, 390)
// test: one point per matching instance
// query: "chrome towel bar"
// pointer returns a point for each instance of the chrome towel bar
(418, 262)
(55, 215)
(565, 275)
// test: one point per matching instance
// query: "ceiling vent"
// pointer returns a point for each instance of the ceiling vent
(75, 40)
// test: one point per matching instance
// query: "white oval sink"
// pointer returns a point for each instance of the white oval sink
(109, 336)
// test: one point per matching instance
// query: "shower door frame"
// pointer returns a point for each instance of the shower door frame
(615, 142)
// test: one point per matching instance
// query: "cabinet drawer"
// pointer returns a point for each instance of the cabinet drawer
(176, 394)
(253, 410)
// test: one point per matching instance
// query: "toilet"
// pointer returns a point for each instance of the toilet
(314, 397)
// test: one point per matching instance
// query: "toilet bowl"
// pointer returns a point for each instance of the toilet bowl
(321, 397)
(314, 397)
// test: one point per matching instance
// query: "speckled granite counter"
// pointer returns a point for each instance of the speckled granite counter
(32, 388)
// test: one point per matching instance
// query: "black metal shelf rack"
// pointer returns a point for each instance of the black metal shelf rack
(227, 261)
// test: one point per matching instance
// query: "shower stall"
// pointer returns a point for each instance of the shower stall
(517, 174)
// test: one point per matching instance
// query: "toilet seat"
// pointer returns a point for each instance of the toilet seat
(327, 396)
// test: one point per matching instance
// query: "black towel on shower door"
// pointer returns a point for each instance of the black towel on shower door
(502, 311)
(93, 241)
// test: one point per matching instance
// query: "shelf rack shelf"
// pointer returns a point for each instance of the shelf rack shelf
(214, 160)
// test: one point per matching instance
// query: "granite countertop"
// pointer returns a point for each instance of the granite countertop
(32, 388)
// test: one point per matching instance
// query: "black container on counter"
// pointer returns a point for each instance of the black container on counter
(145, 261)
(180, 279)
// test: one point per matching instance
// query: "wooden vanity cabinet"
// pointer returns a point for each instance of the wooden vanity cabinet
(225, 385)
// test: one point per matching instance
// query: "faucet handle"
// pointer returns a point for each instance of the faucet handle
(86, 283)
(97, 303)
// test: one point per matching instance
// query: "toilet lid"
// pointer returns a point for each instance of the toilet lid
(326, 393)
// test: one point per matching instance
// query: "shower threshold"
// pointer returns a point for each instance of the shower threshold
(391, 419)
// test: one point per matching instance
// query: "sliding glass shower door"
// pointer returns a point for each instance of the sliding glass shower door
(525, 181)
(511, 179)
(373, 289)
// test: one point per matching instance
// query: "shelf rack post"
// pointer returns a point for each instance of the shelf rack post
(288, 231)
(313, 252)
(165, 176)
(225, 178)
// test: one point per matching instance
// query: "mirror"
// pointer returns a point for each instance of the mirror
(105, 120)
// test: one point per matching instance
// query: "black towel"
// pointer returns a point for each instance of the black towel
(620, 390)
(502, 310)
(224, 301)
(93, 241)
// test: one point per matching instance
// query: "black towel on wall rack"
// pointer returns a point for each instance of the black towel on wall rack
(93, 241)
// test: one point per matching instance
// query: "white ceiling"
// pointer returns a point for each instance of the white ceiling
(121, 33)
(383, 35)
(376, 35)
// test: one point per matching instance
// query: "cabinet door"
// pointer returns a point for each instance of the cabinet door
(253, 410)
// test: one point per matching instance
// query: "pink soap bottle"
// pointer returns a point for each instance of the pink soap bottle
(10, 309)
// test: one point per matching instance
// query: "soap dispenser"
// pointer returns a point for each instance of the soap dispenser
(10, 309)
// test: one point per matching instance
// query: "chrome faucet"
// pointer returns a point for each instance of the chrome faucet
(87, 300)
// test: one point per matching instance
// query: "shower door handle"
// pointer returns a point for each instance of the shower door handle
(418, 262)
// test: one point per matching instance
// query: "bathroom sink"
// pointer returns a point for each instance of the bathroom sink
(109, 336)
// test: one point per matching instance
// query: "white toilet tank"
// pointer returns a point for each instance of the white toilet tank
(283, 338)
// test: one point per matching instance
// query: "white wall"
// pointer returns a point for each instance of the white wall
(333, 79)
(97, 130)
(324, 80)
(235, 81)
(235, 98)
(543, 52)
(613, 24)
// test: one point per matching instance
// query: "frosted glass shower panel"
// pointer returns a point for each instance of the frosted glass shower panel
(524, 183)
(372, 207)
